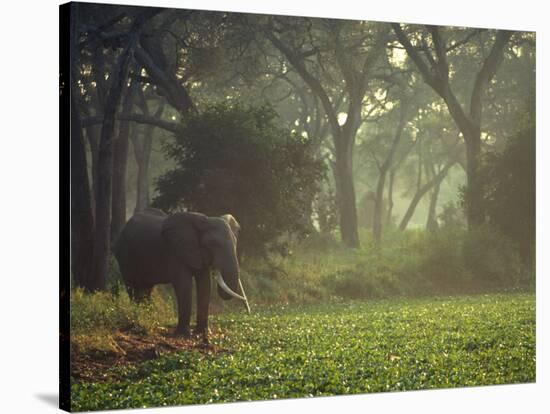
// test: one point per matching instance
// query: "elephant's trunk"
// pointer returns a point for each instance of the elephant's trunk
(227, 277)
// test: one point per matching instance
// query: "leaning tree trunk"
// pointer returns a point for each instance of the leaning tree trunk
(82, 223)
(421, 191)
(431, 223)
(411, 209)
(120, 163)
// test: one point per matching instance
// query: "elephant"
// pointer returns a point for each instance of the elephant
(155, 248)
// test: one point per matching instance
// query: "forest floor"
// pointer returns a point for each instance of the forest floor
(127, 349)
(342, 347)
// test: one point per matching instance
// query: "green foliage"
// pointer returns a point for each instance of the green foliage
(336, 348)
(326, 210)
(509, 188)
(452, 215)
(234, 159)
(492, 258)
(103, 311)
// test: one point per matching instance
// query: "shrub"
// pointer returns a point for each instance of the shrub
(509, 191)
(492, 258)
(105, 311)
(442, 262)
(234, 159)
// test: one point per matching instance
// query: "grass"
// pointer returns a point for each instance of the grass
(415, 313)
(338, 347)
(408, 264)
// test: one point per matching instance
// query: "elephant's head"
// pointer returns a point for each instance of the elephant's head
(198, 241)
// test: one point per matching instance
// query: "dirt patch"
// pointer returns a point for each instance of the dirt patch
(127, 348)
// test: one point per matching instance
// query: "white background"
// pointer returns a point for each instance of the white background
(29, 191)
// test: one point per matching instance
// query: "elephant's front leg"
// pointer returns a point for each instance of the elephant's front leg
(203, 301)
(182, 286)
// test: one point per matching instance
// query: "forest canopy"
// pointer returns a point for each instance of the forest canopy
(352, 132)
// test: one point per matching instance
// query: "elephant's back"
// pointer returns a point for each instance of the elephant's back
(140, 249)
(141, 229)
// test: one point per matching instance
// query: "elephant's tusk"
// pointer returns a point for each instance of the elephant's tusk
(244, 295)
(226, 288)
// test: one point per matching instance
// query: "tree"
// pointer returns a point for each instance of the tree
(103, 197)
(438, 149)
(383, 168)
(234, 159)
(120, 163)
(82, 221)
(353, 51)
(142, 153)
(436, 71)
(508, 183)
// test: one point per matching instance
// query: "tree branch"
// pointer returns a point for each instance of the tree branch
(486, 73)
(441, 53)
(313, 83)
(137, 118)
(415, 56)
(174, 91)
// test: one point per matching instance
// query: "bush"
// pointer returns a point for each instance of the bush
(442, 262)
(492, 259)
(417, 263)
(507, 181)
(234, 159)
(509, 191)
(103, 311)
(360, 282)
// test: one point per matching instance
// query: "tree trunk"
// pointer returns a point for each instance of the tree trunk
(411, 209)
(120, 163)
(82, 223)
(345, 192)
(473, 195)
(378, 202)
(151, 57)
(383, 170)
(436, 74)
(92, 133)
(431, 224)
(390, 197)
(142, 153)
(102, 240)
(421, 191)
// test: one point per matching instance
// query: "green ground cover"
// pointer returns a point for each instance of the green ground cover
(339, 347)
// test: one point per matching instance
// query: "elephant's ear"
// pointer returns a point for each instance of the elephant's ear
(233, 223)
(182, 232)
